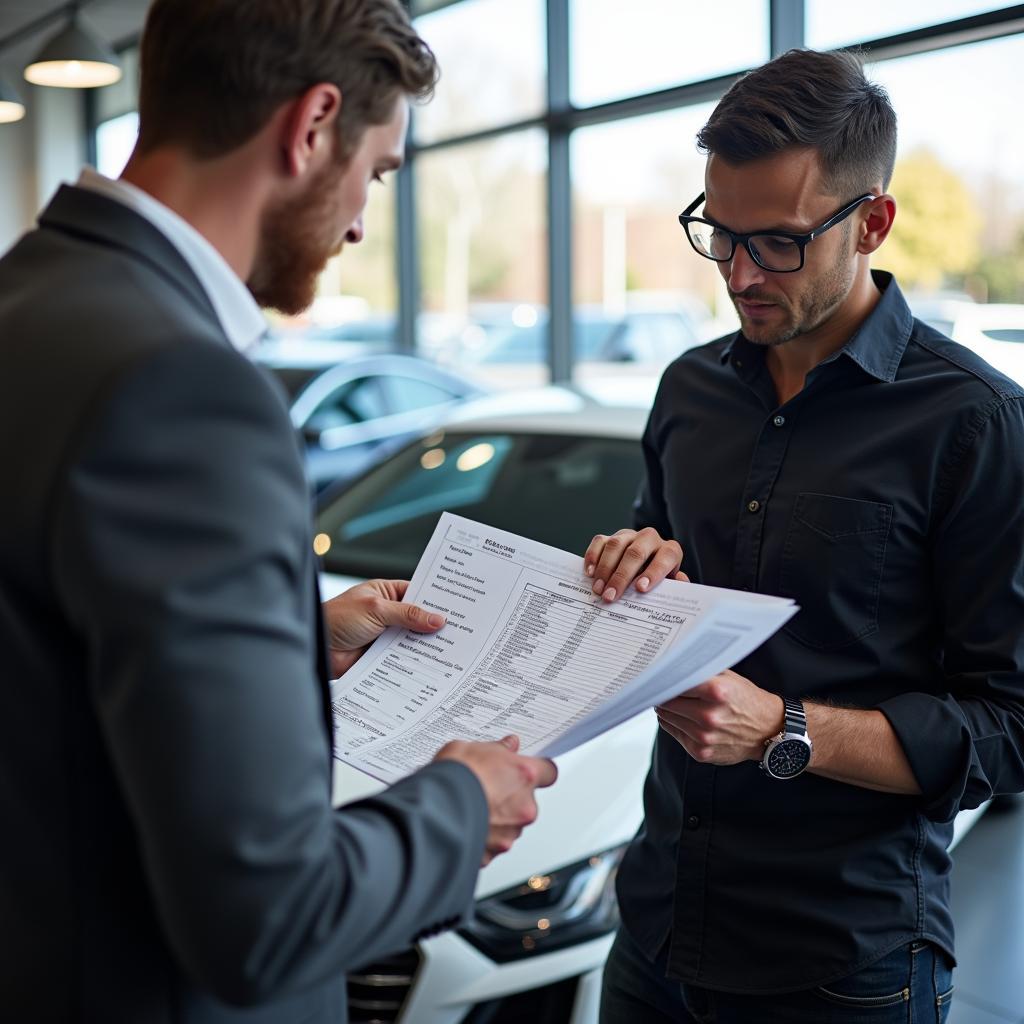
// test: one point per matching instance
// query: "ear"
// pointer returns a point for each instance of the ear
(876, 223)
(307, 130)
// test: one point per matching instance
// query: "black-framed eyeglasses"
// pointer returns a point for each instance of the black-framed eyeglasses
(781, 252)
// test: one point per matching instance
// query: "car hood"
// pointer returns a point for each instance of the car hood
(595, 805)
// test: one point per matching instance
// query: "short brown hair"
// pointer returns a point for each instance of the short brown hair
(214, 71)
(807, 98)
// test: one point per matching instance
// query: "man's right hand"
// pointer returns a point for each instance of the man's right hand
(509, 780)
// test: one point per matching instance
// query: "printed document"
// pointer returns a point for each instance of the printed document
(529, 649)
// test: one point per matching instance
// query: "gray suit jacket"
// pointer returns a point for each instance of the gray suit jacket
(169, 849)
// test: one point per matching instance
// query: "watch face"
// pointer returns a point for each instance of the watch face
(788, 758)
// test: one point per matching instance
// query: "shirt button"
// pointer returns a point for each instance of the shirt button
(779, 421)
(754, 505)
(693, 822)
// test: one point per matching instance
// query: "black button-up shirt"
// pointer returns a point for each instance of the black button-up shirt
(887, 498)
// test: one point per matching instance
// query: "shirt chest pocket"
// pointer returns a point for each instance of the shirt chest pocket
(832, 561)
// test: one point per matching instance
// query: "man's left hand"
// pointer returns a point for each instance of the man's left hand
(723, 721)
(356, 618)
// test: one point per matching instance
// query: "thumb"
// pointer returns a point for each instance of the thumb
(512, 742)
(410, 616)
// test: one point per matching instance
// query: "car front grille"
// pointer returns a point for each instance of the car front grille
(377, 992)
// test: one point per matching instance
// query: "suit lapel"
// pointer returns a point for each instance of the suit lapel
(322, 663)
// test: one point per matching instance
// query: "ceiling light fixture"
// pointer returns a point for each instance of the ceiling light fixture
(11, 107)
(74, 59)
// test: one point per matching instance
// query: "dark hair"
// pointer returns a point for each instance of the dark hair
(807, 98)
(214, 71)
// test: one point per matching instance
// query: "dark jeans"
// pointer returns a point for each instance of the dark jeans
(911, 985)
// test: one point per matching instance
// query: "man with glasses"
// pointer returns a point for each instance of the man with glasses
(792, 865)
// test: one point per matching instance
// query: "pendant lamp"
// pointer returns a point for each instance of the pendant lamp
(74, 59)
(11, 107)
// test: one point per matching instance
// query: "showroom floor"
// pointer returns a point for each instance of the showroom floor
(988, 908)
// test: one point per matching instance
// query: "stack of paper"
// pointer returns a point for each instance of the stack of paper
(529, 649)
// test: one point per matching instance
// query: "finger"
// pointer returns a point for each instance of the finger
(682, 577)
(511, 741)
(690, 726)
(408, 616)
(637, 559)
(545, 771)
(692, 748)
(683, 710)
(621, 563)
(609, 555)
(593, 553)
(666, 561)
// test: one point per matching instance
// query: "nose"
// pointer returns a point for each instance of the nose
(355, 232)
(741, 272)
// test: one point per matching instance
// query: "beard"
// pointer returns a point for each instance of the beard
(296, 240)
(803, 313)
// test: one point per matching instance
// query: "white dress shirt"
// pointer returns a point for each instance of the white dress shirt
(234, 305)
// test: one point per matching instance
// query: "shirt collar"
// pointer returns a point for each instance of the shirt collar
(239, 316)
(877, 346)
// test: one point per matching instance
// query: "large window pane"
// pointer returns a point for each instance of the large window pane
(641, 295)
(831, 24)
(492, 57)
(115, 140)
(959, 185)
(621, 49)
(357, 292)
(482, 232)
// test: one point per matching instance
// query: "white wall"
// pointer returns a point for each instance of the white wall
(37, 154)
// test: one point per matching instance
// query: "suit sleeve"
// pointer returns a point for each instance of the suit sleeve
(966, 744)
(182, 557)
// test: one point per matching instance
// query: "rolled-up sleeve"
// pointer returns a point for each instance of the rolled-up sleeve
(965, 742)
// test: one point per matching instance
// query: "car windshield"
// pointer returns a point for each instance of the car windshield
(557, 489)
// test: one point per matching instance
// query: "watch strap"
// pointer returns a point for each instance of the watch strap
(796, 717)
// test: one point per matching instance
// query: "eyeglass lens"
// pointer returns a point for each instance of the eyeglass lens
(773, 252)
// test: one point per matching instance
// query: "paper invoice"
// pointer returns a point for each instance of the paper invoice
(528, 648)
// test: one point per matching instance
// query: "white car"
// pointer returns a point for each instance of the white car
(994, 330)
(545, 915)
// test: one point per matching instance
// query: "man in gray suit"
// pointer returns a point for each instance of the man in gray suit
(170, 851)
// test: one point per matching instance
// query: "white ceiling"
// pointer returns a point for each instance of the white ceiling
(111, 20)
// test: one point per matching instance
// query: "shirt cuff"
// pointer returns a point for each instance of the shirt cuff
(937, 741)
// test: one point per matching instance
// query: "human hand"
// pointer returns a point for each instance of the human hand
(615, 561)
(723, 721)
(509, 780)
(357, 617)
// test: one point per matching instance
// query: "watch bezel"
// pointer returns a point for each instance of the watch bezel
(787, 737)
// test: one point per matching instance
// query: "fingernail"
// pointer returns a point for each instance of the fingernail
(643, 583)
(590, 570)
(437, 621)
(609, 594)
(598, 586)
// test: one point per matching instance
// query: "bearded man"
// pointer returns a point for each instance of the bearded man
(165, 760)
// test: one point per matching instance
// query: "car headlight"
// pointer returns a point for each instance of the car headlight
(546, 912)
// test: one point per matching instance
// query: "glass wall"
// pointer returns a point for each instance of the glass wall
(630, 85)
(482, 258)
(640, 295)
(619, 49)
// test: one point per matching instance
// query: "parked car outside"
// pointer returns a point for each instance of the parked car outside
(558, 467)
(518, 334)
(994, 330)
(352, 409)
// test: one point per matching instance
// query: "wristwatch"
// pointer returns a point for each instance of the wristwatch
(789, 753)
